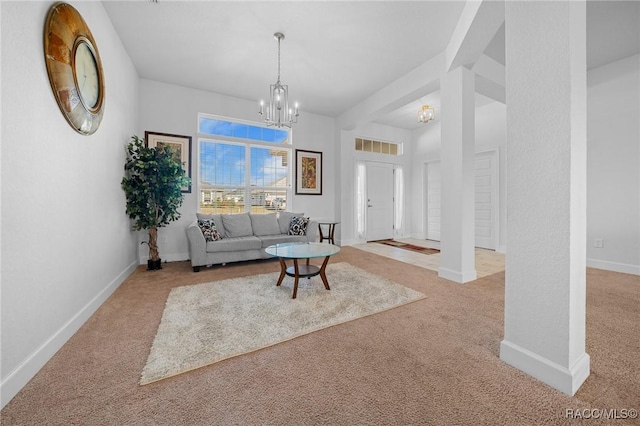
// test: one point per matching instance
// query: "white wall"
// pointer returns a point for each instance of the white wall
(613, 166)
(490, 133)
(348, 156)
(66, 241)
(167, 108)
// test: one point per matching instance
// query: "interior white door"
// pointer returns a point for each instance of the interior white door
(486, 202)
(379, 201)
(434, 185)
(486, 191)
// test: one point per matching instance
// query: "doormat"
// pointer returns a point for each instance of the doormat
(407, 246)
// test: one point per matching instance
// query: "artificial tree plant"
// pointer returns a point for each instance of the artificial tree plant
(153, 184)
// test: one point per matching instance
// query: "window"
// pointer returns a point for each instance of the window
(242, 167)
(378, 147)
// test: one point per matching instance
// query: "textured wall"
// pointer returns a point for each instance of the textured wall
(66, 241)
(546, 191)
(457, 260)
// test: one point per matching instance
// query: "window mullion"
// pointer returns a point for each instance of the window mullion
(248, 196)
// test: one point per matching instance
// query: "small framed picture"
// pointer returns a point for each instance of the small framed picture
(180, 145)
(308, 172)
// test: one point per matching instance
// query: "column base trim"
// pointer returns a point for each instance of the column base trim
(457, 276)
(566, 380)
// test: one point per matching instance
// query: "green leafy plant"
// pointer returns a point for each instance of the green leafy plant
(153, 186)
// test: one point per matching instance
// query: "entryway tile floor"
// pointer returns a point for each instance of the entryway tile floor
(488, 262)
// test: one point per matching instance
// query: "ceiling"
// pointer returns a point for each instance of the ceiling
(335, 54)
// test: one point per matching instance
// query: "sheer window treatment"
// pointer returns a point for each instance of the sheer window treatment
(361, 200)
(398, 200)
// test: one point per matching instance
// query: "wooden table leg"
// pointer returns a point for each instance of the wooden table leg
(295, 278)
(322, 273)
(283, 269)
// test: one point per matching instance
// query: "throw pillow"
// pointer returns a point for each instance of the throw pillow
(284, 220)
(209, 230)
(298, 225)
(217, 218)
(237, 225)
(264, 224)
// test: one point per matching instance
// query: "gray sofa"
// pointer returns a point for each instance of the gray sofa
(241, 236)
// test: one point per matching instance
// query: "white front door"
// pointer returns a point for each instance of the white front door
(379, 201)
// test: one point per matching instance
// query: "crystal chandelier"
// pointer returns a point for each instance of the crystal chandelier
(278, 113)
(426, 114)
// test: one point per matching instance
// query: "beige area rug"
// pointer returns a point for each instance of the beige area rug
(206, 323)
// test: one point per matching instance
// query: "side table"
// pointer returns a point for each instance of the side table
(331, 229)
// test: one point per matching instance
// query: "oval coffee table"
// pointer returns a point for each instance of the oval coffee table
(306, 251)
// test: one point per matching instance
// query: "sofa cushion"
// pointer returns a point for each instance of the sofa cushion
(217, 219)
(234, 244)
(298, 225)
(269, 240)
(209, 230)
(237, 225)
(284, 220)
(264, 224)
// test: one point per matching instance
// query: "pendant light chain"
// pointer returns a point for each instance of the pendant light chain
(278, 59)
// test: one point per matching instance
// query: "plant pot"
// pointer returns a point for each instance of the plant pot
(152, 265)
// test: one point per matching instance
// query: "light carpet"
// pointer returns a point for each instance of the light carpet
(206, 323)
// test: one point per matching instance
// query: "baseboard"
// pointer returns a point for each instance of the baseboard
(457, 276)
(172, 257)
(350, 242)
(567, 380)
(614, 266)
(24, 372)
(501, 249)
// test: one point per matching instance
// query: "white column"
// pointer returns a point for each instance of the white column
(457, 258)
(546, 192)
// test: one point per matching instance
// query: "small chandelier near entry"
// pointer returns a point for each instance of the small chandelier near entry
(278, 113)
(426, 114)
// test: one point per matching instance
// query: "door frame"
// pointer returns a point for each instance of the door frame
(425, 200)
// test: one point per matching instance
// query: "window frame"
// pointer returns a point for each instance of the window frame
(248, 144)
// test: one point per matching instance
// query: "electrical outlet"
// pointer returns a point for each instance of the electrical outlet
(162, 240)
(597, 243)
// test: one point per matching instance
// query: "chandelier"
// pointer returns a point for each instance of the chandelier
(426, 114)
(278, 113)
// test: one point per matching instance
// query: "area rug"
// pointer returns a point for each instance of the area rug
(406, 246)
(206, 323)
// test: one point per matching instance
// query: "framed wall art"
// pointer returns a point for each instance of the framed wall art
(308, 172)
(180, 145)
